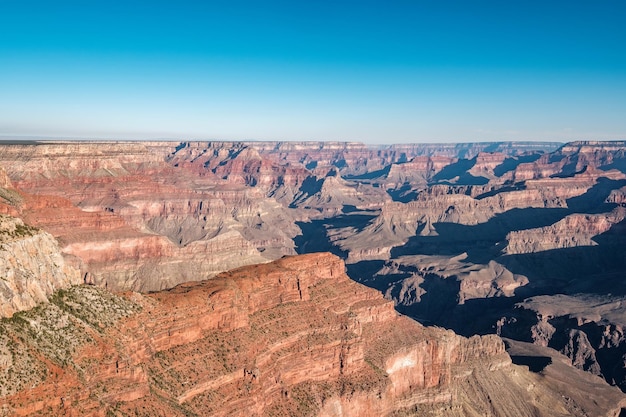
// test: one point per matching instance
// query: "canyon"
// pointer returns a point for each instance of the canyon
(194, 278)
(291, 337)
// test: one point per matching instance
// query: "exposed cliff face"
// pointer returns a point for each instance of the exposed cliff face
(294, 337)
(32, 267)
(573, 158)
(587, 329)
(358, 159)
(433, 288)
(5, 181)
(600, 154)
(462, 254)
(131, 220)
(472, 228)
(238, 163)
(417, 172)
(572, 231)
(440, 205)
(129, 214)
(331, 194)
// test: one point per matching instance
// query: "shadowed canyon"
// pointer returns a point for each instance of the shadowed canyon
(312, 278)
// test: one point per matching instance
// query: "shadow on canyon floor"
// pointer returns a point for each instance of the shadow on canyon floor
(481, 241)
(509, 164)
(403, 194)
(456, 169)
(593, 269)
(315, 239)
(561, 271)
(593, 201)
(535, 363)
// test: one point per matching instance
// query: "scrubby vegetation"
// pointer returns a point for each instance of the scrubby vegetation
(56, 330)
(12, 228)
(94, 306)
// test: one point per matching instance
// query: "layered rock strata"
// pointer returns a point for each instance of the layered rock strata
(471, 228)
(130, 220)
(31, 265)
(588, 329)
(148, 215)
(293, 337)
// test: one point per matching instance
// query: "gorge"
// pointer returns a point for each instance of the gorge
(224, 278)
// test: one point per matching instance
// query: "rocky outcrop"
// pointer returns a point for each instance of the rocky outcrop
(430, 287)
(32, 267)
(455, 234)
(331, 195)
(445, 204)
(129, 219)
(238, 163)
(587, 329)
(5, 181)
(599, 154)
(128, 214)
(572, 231)
(573, 158)
(292, 337)
(418, 171)
(357, 159)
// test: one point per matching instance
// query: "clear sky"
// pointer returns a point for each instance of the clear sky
(373, 71)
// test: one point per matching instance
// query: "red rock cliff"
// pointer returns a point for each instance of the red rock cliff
(293, 337)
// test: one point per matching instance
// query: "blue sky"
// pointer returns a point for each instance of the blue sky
(371, 71)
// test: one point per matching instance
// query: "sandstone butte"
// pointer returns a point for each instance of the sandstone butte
(294, 337)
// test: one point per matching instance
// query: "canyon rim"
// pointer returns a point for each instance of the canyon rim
(231, 278)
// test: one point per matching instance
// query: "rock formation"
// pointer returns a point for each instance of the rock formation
(292, 337)
(498, 227)
(133, 221)
(458, 235)
(135, 215)
(32, 267)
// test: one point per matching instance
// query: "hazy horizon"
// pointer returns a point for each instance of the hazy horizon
(398, 72)
(29, 138)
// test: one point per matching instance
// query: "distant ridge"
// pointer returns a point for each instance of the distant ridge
(619, 143)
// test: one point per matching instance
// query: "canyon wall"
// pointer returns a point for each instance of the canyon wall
(149, 215)
(292, 337)
(32, 267)
(455, 235)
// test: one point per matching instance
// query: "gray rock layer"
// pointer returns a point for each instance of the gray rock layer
(31, 267)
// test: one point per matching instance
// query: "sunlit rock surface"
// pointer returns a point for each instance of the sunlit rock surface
(292, 337)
